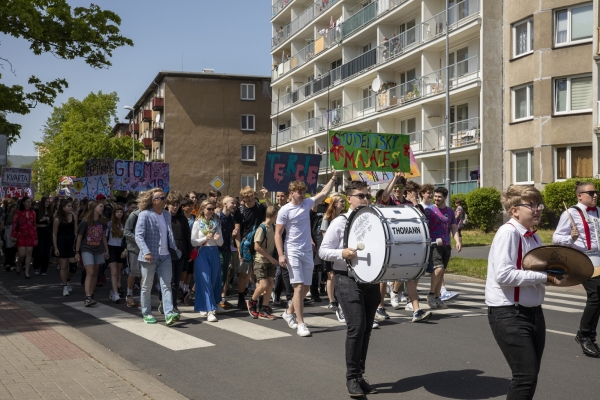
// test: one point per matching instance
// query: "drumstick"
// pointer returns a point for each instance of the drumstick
(360, 246)
(569, 214)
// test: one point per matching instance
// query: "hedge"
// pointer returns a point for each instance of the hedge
(484, 206)
(556, 193)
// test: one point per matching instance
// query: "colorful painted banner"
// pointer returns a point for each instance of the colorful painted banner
(9, 192)
(99, 166)
(414, 167)
(371, 177)
(90, 186)
(281, 168)
(66, 180)
(16, 177)
(139, 176)
(367, 151)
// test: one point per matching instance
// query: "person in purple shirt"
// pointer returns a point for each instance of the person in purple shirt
(441, 222)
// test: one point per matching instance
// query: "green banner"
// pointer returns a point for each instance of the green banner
(368, 151)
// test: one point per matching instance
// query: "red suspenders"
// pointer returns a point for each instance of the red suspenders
(586, 228)
(519, 261)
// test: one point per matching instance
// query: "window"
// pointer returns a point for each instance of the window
(573, 162)
(249, 180)
(248, 152)
(367, 98)
(573, 25)
(573, 94)
(247, 91)
(522, 102)
(523, 37)
(461, 62)
(408, 37)
(523, 166)
(336, 63)
(247, 122)
(459, 171)
(366, 47)
(408, 127)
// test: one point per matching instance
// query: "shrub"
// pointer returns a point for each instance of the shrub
(556, 193)
(484, 206)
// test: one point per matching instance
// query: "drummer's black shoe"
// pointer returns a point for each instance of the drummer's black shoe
(587, 346)
(596, 345)
(354, 389)
(366, 388)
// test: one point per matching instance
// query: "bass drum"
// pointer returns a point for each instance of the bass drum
(396, 243)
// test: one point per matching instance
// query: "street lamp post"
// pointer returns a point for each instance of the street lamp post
(131, 127)
(447, 106)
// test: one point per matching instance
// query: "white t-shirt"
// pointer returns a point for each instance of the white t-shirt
(164, 236)
(425, 206)
(296, 220)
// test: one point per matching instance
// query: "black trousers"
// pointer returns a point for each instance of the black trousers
(521, 334)
(41, 252)
(591, 313)
(359, 301)
(316, 280)
(282, 281)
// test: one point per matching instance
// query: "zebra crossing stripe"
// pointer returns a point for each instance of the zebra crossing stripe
(244, 328)
(548, 292)
(157, 333)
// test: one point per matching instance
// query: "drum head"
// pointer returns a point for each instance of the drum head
(365, 226)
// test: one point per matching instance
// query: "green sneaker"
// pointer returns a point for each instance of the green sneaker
(176, 316)
(149, 319)
(171, 319)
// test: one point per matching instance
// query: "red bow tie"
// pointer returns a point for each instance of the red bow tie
(530, 233)
(588, 209)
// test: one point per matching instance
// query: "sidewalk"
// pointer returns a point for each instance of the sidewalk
(43, 358)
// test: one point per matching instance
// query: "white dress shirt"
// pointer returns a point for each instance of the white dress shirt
(562, 235)
(333, 243)
(503, 275)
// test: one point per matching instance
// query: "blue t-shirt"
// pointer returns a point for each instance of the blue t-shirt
(227, 227)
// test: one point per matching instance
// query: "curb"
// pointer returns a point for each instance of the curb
(146, 384)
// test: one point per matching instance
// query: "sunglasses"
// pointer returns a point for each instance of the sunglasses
(209, 209)
(160, 198)
(398, 187)
(361, 196)
(591, 193)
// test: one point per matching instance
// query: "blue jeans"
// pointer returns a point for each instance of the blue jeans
(162, 267)
(207, 274)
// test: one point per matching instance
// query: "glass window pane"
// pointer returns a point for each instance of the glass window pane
(521, 38)
(520, 103)
(412, 125)
(561, 95)
(251, 122)
(462, 173)
(561, 26)
(531, 165)
(251, 92)
(521, 166)
(561, 163)
(581, 23)
(581, 162)
(244, 91)
(531, 101)
(244, 124)
(531, 35)
(581, 93)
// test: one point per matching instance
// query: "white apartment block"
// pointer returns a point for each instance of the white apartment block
(380, 66)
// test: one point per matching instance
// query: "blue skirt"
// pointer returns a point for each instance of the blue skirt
(207, 274)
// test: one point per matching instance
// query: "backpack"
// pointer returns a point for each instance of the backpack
(247, 244)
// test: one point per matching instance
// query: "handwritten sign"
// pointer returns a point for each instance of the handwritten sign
(366, 151)
(9, 192)
(281, 168)
(99, 166)
(372, 178)
(90, 186)
(139, 175)
(16, 177)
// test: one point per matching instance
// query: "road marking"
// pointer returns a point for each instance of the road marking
(321, 322)
(560, 333)
(158, 333)
(241, 327)
(548, 292)
(561, 301)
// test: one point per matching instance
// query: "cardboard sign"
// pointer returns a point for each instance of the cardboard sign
(140, 175)
(367, 151)
(16, 177)
(99, 166)
(372, 178)
(9, 192)
(281, 168)
(90, 186)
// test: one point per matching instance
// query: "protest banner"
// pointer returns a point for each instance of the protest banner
(140, 175)
(9, 192)
(372, 177)
(16, 177)
(281, 168)
(99, 166)
(367, 151)
(90, 186)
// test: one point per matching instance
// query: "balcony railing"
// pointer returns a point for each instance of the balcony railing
(304, 19)
(361, 18)
(459, 186)
(158, 103)
(462, 133)
(279, 7)
(301, 130)
(135, 128)
(147, 115)
(157, 134)
(147, 142)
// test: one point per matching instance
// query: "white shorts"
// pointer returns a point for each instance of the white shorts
(300, 267)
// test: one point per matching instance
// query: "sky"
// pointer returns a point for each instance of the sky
(229, 36)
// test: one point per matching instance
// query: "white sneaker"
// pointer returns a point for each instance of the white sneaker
(375, 325)
(65, 291)
(291, 320)
(403, 298)
(409, 306)
(440, 304)
(203, 314)
(220, 310)
(303, 330)
(394, 299)
(115, 298)
(389, 288)
(431, 301)
(69, 287)
(212, 317)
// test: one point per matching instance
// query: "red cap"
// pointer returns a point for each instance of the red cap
(101, 197)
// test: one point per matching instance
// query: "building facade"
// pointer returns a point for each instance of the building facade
(205, 125)
(550, 81)
(380, 66)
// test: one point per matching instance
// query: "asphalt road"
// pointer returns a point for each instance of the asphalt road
(473, 252)
(452, 356)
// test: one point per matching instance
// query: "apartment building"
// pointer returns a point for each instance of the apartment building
(551, 86)
(205, 125)
(380, 66)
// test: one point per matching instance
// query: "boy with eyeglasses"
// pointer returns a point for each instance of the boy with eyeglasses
(584, 237)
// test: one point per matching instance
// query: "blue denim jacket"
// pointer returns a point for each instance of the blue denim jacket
(147, 234)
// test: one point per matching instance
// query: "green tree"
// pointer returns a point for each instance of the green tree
(77, 131)
(57, 28)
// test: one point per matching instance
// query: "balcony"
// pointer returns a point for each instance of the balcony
(147, 142)
(146, 115)
(127, 134)
(158, 104)
(135, 128)
(279, 7)
(459, 186)
(302, 130)
(359, 19)
(462, 133)
(157, 134)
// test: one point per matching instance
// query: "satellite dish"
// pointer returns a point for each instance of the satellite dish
(376, 85)
(157, 119)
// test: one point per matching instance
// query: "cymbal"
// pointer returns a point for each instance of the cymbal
(559, 259)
